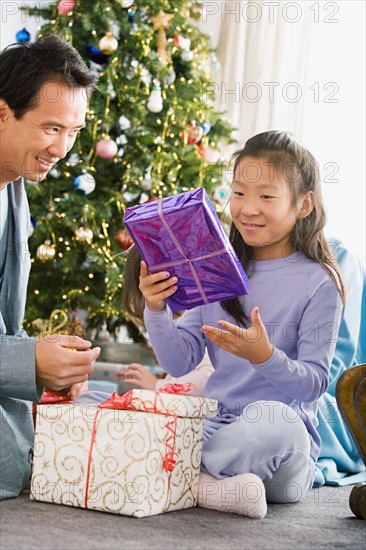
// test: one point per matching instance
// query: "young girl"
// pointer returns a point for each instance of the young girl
(133, 304)
(271, 350)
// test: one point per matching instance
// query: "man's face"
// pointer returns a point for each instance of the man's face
(31, 145)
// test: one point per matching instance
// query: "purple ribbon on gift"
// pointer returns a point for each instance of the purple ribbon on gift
(182, 234)
(190, 261)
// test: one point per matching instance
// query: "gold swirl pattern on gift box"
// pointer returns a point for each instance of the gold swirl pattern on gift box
(126, 473)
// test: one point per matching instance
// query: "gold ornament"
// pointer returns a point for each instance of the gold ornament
(108, 44)
(46, 251)
(160, 22)
(196, 10)
(126, 3)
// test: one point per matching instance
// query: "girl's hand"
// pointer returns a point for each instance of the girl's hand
(252, 344)
(76, 390)
(156, 288)
(139, 376)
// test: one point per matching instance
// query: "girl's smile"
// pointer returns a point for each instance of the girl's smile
(251, 227)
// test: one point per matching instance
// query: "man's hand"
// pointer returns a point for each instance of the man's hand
(59, 368)
(156, 288)
(252, 344)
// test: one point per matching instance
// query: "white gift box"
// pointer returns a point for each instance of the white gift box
(138, 461)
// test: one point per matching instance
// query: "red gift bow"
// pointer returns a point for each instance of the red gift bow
(128, 402)
(177, 388)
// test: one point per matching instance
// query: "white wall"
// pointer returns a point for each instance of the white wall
(334, 126)
(334, 99)
(335, 132)
(13, 19)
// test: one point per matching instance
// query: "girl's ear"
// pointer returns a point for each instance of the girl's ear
(305, 205)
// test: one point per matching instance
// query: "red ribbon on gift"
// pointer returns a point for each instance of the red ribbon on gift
(129, 402)
(177, 388)
(53, 396)
(190, 261)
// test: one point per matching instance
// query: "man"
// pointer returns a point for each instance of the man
(44, 90)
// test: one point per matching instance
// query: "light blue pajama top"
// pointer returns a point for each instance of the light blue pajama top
(301, 310)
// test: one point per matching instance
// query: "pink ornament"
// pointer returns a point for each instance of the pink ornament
(106, 148)
(65, 6)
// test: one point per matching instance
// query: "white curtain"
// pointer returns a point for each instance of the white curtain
(262, 48)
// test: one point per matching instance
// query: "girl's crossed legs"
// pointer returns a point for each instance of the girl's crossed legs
(270, 440)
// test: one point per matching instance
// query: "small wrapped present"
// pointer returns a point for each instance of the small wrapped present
(183, 235)
(115, 372)
(137, 455)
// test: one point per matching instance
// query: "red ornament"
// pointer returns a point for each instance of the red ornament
(65, 6)
(193, 134)
(106, 148)
(123, 239)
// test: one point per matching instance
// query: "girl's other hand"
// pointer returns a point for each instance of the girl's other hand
(252, 344)
(139, 376)
(156, 288)
(77, 389)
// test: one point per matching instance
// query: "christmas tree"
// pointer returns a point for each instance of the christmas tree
(152, 131)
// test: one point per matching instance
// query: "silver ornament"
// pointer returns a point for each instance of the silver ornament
(46, 251)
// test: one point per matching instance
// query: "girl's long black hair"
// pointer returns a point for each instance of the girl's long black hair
(301, 171)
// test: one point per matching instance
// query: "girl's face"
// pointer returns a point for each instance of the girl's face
(262, 208)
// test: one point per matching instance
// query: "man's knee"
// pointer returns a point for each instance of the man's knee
(16, 440)
(10, 489)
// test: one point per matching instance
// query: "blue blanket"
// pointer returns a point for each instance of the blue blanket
(339, 462)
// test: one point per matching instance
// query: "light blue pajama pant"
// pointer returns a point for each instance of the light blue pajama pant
(268, 439)
(16, 443)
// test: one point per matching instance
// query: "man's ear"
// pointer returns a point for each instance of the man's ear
(305, 205)
(4, 112)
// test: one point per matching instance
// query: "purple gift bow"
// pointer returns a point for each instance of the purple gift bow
(178, 262)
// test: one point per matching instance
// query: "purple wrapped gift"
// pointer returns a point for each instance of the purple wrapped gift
(183, 235)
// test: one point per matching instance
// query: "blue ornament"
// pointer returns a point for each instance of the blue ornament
(206, 127)
(34, 222)
(131, 15)
(96, 55)
(22, 36)
(85, 183)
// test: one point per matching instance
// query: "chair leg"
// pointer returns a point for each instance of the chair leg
(357, 500)
(351, 399)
